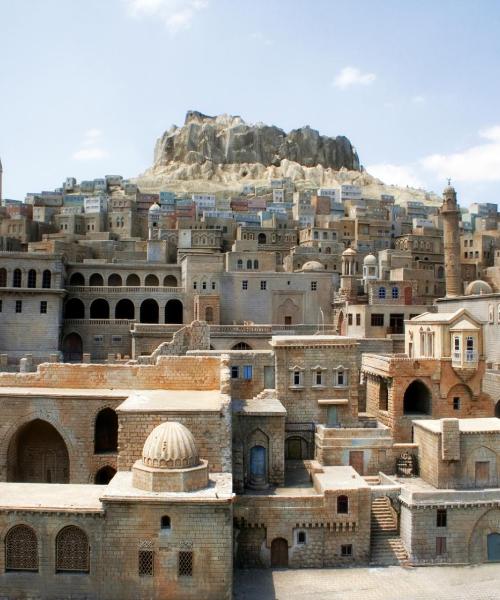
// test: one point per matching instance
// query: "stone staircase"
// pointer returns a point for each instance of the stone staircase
(386, 545)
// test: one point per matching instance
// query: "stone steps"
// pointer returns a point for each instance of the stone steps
(386, 545)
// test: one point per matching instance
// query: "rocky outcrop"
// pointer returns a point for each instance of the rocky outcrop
(226, 139)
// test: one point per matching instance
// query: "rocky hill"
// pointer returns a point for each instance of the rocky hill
(223, 153)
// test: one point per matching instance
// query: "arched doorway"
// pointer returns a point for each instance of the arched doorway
(72, 348)
(173, 311)
(152, 280)
(96, 280)
(114, 280)
(133, 280)
(99, 309)
(125, 309)
(493, 545)
(37, 454)
(104, 475)
(74, 309)
(170, 281)
(262, 239)
(149, 312)
(417, 399)
(279, 553)
(258, 467)
(77, 279)
(106, 431)
(241, 346)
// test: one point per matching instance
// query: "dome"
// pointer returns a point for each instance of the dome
(312, 265)
(170, 446)
(369, 260)
(349, 252)
(155, 207)
(478, 287)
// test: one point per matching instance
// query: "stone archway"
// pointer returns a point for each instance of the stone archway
(484, 539)
(72, 348)
(37, 453)
(279, 553)
(417, 399)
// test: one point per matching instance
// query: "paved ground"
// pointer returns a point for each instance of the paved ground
(391, 583)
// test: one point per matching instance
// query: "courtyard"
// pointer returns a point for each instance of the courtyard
(481, 582)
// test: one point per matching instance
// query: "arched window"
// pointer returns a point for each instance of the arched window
(209, 314)
(104, 475)
(381, 292)
(74, 309)
(72, 550)
(3, 277)
(77, 279)
(328, 250)
(255, 264)
(170, 281)
(174, 311)
(342, 505)
(21, 549)
(96, 280)
(241, 346)
(239, 264)
(165, 522)
(106, 431)
(114, 280)
(262, 239)
(249, 264)
(152, 280)
(46, 279)
(99, 309)
(125, 309)
(149, 311)
(417, 399)
(16, 278)
(32, 278)
(133, 280)
(395, 293)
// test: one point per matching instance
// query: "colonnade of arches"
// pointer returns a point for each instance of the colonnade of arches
(31, 278)
(147, 312)
(117, 280)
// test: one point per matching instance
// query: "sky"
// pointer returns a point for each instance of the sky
(87, 86)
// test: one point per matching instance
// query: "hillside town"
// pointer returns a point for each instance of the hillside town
(276, 378)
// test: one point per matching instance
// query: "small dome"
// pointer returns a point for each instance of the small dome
(312, 265)
(369, 260)
(155, 207)
(478, 287)
(349, 252)
(170, 446)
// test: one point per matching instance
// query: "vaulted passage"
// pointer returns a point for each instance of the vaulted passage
(106, 431)
(417, 399)
(104, 475)
(37, 454)
(173, 311)
(74, 309)
(125, 309)
(99, 309)
(149, 311)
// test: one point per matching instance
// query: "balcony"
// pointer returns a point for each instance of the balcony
(122, 289)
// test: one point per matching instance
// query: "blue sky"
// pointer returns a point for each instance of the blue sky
(86, 86)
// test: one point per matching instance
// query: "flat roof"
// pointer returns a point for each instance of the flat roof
(465, 425)
(286, 340)
(173, 401)
(338, 477)
(264, 404)
(56, 392)
(71, 497)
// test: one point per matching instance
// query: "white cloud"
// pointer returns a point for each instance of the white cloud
(395, 174)
(91, 146)
(175, 14)
(350, 76)
(480, 163)
(419, 99)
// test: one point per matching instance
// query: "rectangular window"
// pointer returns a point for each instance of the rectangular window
(0, 305)
(43, 307)
(314, 286)
(19, 306)
(146, 563)
(441, 517)
(456, 403)
(247, 372)
(213, 285)
(98, 339)
(244, 285)
(263, 285)
(358, 319)
(195, 285)
(319, 378)
(377, 320)
(296, 378)
(349, 319)
(116, 339)
(346, 550)
(440, 546)
(341, 378)
(235, 372)
(185, 566)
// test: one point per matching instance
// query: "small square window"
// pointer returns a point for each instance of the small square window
(116, 339)
(185, 566)
(456, 403)
(235, 372)
(19, 306)
(244, 285)
(43, 307)
(346, 550)
(247, 372)
(263, 285)
(301, 537)
(314, 286)
(98, 339)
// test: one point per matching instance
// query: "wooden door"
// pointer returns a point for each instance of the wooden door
(356, 460)
(408, 293)
(482, 473)
(332, 416)
(279, 553)
(294, 449)
(494, 546)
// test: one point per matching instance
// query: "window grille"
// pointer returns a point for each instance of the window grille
(21, 549)
(146, 559)
(72, 550)
(185, 564)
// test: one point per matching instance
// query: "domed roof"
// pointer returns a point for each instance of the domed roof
(170, 446)
(478, 287)
(313, 265)
(370, 259)
(349, 252)
(155, 207)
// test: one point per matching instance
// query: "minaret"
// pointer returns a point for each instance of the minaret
(451, 238)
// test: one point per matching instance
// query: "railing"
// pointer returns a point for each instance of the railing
(84, 322)
(125, 289)
(470, 356)
(240, 330)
